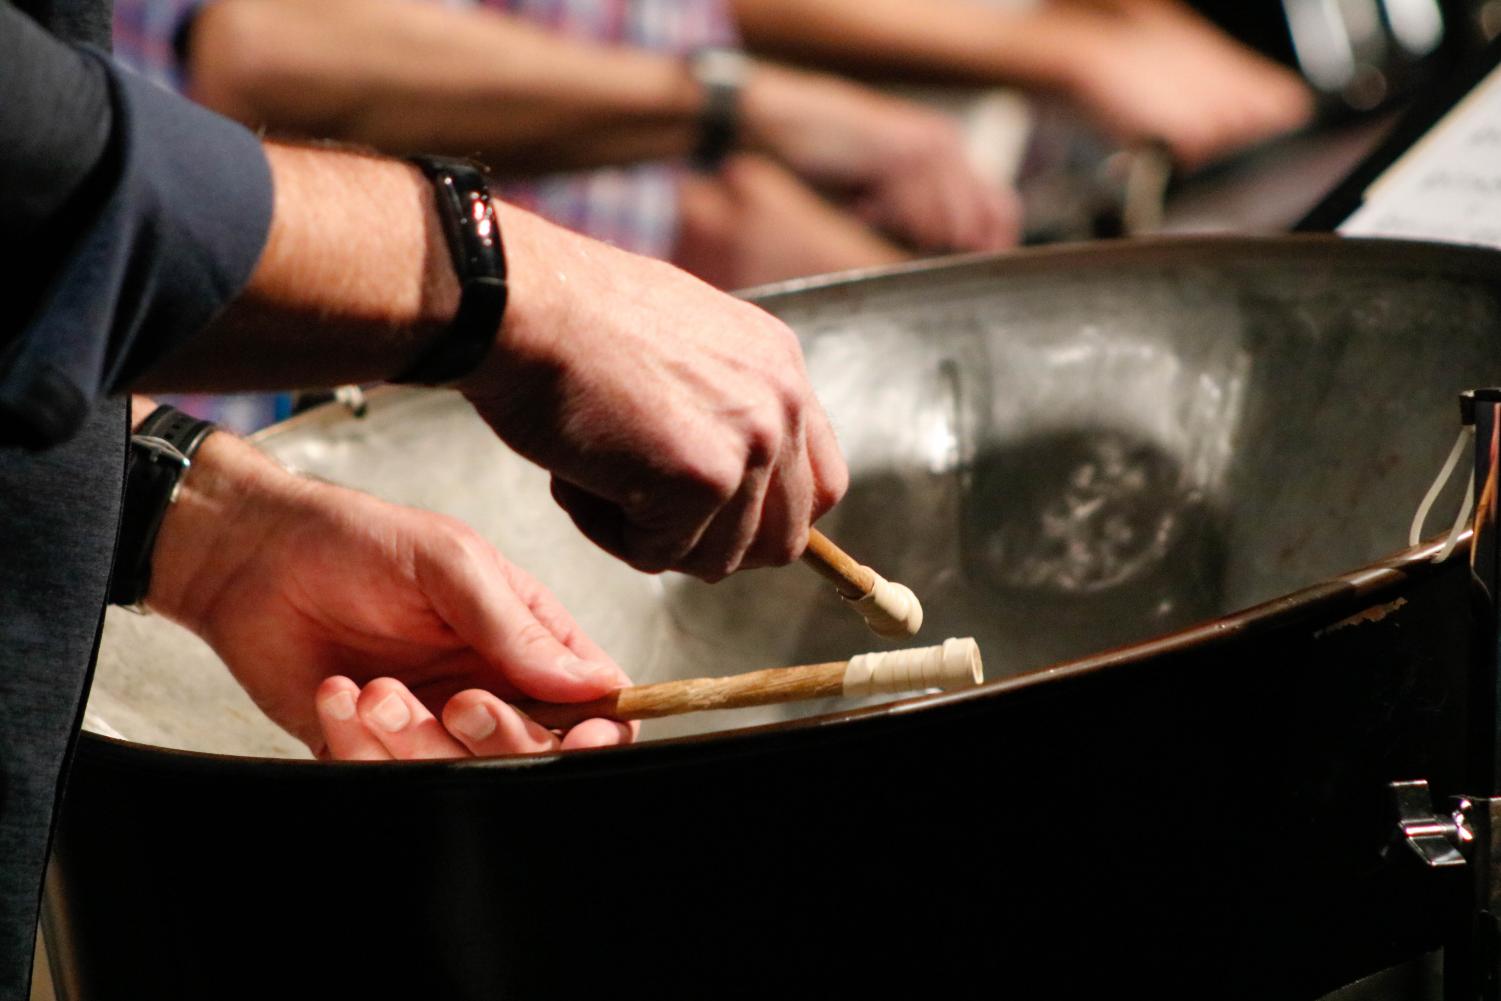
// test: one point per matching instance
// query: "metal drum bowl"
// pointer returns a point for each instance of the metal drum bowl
(1160, 482)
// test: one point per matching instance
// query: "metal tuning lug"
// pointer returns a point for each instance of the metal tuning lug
(1440, 840)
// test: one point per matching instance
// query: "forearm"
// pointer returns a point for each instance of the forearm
(355, 280)
(944, 41)
(405, 77)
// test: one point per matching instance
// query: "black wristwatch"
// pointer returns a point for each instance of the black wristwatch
(479, 261)
(721, 73)
(161, 451)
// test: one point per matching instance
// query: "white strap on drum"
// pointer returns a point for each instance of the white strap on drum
(1463, 445)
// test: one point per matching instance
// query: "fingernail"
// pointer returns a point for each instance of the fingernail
(339, 706)
(584, 670)
(475, 723)
(392, 714)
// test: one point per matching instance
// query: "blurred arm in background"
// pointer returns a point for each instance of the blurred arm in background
(1142, 69)
(405, 77)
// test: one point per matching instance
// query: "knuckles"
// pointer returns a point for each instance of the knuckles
(829, 490)
(455, 543)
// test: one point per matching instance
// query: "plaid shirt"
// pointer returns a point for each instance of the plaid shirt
(632, 207)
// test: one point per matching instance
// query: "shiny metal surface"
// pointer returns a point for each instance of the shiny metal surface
(1438, 840)
(1060, 451)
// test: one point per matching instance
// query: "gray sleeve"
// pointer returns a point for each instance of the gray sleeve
(146, 215)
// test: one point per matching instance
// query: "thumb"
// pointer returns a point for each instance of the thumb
(469, 590)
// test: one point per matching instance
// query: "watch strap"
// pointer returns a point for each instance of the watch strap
(183, 431)
(467, 215)
(161, 452)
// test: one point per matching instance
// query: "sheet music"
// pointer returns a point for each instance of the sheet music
(1448, 186)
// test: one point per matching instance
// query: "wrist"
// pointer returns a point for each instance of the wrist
(476, 254)
(163, 443)
(540, 257)
(230, 502)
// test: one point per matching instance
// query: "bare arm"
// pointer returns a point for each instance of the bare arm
(354, 282)
(404, 77)
(407, 77)
(930, 40)
(1143, 69)
(677, 421)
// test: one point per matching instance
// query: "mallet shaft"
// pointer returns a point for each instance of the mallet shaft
(955, 664)
(673, 698)
(853, 579)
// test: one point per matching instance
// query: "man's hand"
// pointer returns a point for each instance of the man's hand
(309, 591)
(1153, 69)
(677, 421)
(903, 167)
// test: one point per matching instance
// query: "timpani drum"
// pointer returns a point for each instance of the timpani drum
(1161, 483)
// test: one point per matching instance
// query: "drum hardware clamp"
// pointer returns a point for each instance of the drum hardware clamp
(1439, 840)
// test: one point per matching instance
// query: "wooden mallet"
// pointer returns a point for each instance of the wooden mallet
(954, 665)
(891, 610)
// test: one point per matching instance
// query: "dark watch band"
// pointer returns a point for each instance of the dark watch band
(721, 74)
(473, 234)
(161, 450)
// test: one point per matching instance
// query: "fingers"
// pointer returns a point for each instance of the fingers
(766, 522)
(467, 586)
(943, 205)
(723, 547)
(831, 475)
(600, 521)
(488, 727)
(663, 527)
(787, 513)
(386, 722)
(557, 619)
(653, 536)
(598, 733)
(344, 732)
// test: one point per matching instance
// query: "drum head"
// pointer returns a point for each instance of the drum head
(1060, 452)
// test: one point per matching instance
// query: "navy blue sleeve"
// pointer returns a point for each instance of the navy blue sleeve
(158, 209)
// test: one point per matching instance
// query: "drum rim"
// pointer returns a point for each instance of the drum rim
(1359, 588)
(1106, 254)
(1349, 593)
